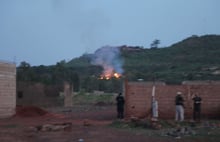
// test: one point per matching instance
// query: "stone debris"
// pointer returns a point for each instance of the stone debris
(134, 119)
(208, 124)
(51, 127)
(179, 132)
(156, 125)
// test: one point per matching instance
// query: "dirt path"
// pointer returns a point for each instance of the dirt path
(88, 123)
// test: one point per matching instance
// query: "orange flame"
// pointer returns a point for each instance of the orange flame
(110, 75)
(117, 75)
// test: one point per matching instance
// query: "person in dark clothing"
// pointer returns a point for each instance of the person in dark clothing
(120, 106)
(179, 107)
(197, 107)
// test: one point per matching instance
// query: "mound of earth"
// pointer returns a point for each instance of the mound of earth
(29, 111)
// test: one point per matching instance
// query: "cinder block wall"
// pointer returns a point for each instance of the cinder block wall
(138, 96)
(38, 94)
(7, 89)
(137, 99)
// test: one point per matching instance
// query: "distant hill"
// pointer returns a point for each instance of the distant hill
(194, 58)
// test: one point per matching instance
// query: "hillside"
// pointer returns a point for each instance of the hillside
(194, 58)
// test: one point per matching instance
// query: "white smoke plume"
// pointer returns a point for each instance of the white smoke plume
(110, 59)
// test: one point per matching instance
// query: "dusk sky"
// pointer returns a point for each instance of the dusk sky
(44, 32)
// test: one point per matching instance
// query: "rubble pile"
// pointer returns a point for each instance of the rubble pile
(51, 127)
(29, 111)
(179, 132)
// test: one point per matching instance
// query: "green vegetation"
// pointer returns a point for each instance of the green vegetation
(131, 125)
(170, 129)
(195, 58)
(88, 99)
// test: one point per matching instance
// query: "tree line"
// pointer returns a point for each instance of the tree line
(82, 78)
(194, 58)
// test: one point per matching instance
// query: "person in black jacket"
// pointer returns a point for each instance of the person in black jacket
(196, 107)
(120, 106)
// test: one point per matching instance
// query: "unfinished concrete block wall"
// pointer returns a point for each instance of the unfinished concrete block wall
(137, 99)
(38, 94)
(138, 96)
(210, 94)
(7, 89)
(68, 97)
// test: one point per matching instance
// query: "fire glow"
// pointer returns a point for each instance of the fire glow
(110, 60)
(109, 76)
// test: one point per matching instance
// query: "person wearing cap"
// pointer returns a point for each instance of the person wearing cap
(179, 102)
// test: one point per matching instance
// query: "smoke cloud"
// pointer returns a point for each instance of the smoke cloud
(109, 58)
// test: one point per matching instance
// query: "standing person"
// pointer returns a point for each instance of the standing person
(120, 106)
(196, 107)
(179, 107)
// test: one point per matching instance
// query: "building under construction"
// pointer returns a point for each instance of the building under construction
(7, 89)
(138, 96)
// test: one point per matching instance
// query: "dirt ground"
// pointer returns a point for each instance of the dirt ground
(88, 123)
